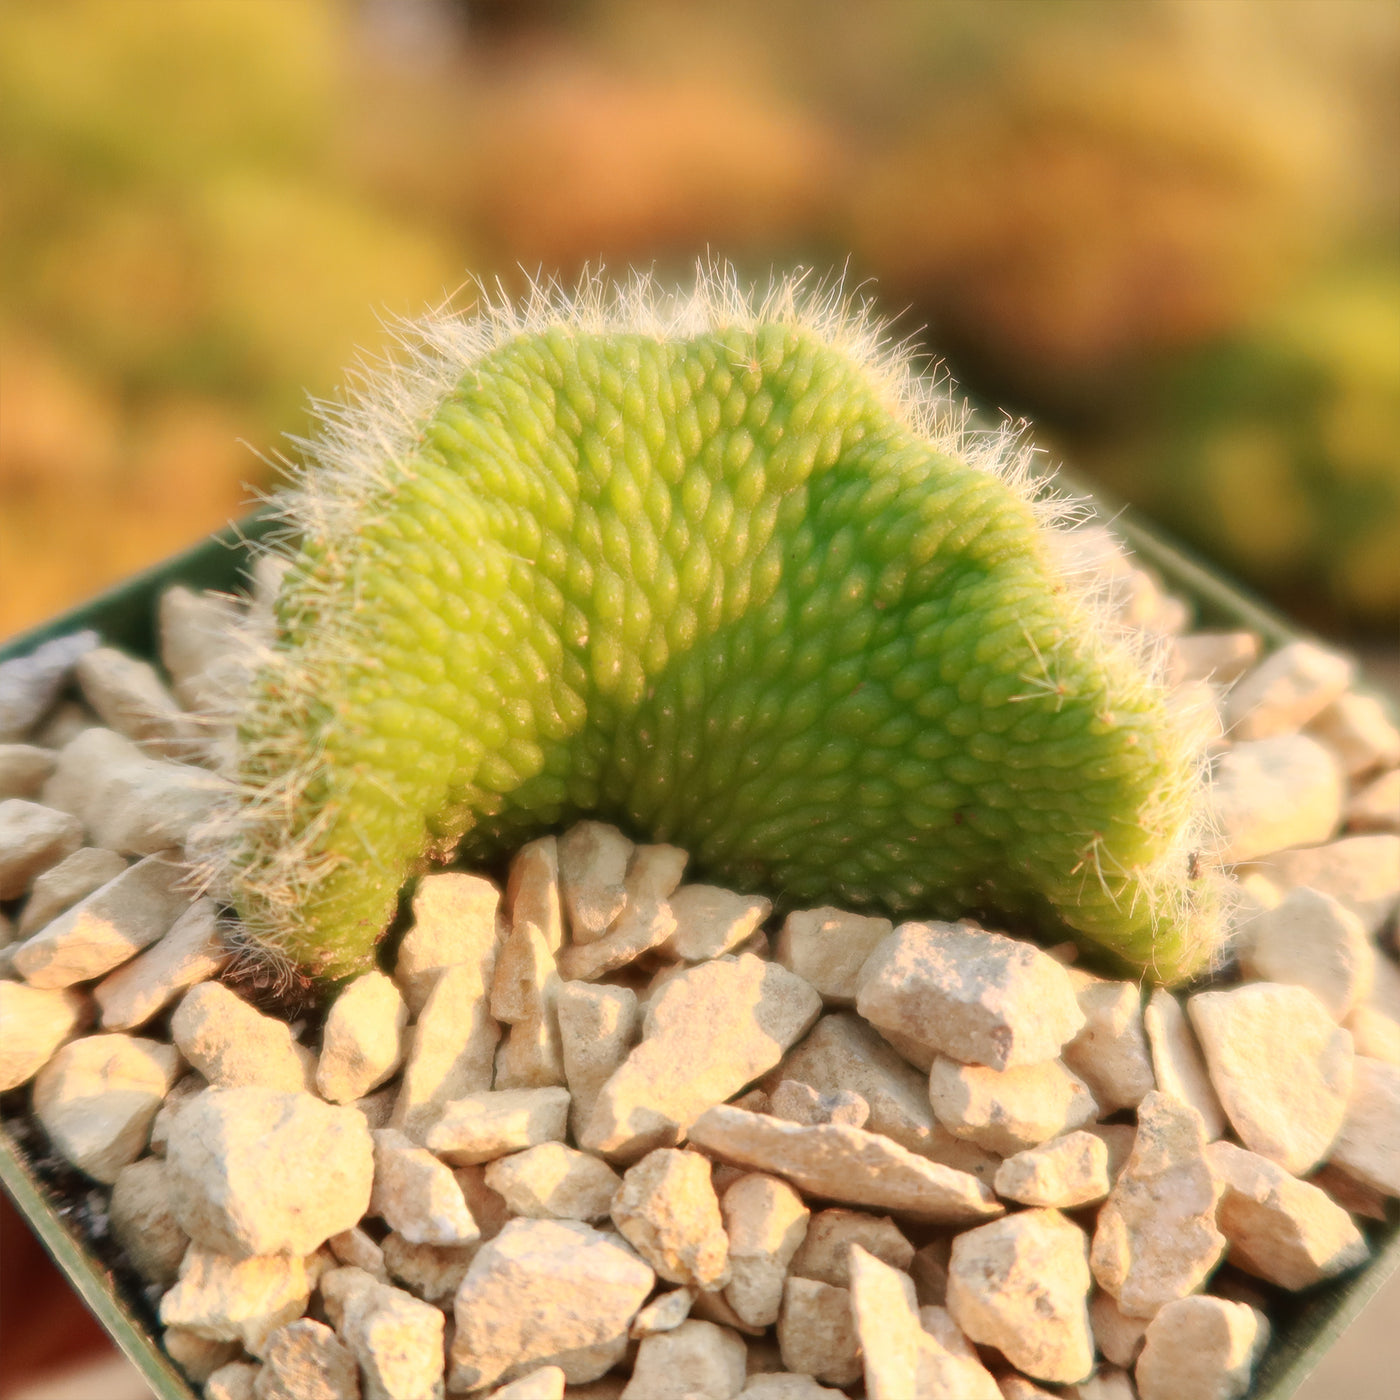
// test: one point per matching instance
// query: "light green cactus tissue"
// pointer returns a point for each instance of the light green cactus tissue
(723, 574)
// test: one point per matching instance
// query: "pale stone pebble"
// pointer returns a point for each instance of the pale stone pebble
(127, 800)
(593, 861)
(1250, 895)
(191, 950)
(977, 997)
(845, 1164)
(1286, 690)
(1362, 872)
(644, 924)
(456, 922)
(488, 1206)
(800, 1103)
(1353, 1196)
(255, 1171)
(523, 996)
(1368, 1145)
(1375, 1035)
(713, 1307)
(712, 1029)
(1281, 1066)
(238, 1300)
(362, 1042)
(766, 1222)
(396, 1338)
(786, 1386)
(131, 699)
(598, 1025)
(1177, 1063)
(950, 1368)
(1156, 1238)
(481, 1127)
(1201, 1349)
(416, 1194)
(198, 640)
(185, 1088)
(233, 1381)
(711, 921)
(1270, 794)
(1376, 807)
(1110, 1053)
(305, 1360)
(432, 1272)
(33, 839)
(64, 723)
(30, 684)
(144, 1224)
(1222, 657)
(24, 769)
(1279, 1228)
(1007, 1111)
(695, 1361)
(1359, 730)
(828, 947)
(825, 1250)
(888, 1329)
(234, 1045)
(356, 1248)
(545, 1384)
(34, 1022)
(665, 1311)
(451, 1050)
(198, 1357)
(1066, 1172)
(1310, 940)
(59, 888)
(106, 928)
(545, 1292)
(1118, 1336)
(1107, 1383)
(817, 1332)
(97, 1096)
(377, 1108)
(667, 1210)
(554, 1182)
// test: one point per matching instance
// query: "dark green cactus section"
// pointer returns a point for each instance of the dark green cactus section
(716, 591)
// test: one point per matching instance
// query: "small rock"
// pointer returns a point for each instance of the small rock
(1177, 1064)
(1285, 691)
(524, 990)
(1118, 1138)
(61, 887)
(554, 1182)
(482, 1127)
(1361, 872)
(1279, 1228)
(1310, 940)
(887, 1325)
(711, 1030)
(593, 861)
(111, 925)
(545, 1384)
(1118, 1336)
(1110, 1054)
(980, 998)
(1359, 731)
(711, 921)
(24, 769)
(665, 1311)
(197, 1356)
(800, 1103)
(598, 1025)
(828, 947)
(1107, 1383)
(254, 1171)
(143, 1223)
(642, 926)
(1368, 1146)
(695, 1361)
(96, 1098)
(1201, 1349)
(1021, 1284)
(193, 949)
(1070, 1171)
(1281, 1066)
(488, 1206)
(1007, 1111)
(30, 684)
(238, 1300)
(1156, 1238)
(186, 1087)
(198, 636)
(541, 1291)
(825, 1251)
(355, 1248)
(949, 1366)
(396, 1338)
(233, 1045)
(845, 1164)
(817, 1332)
(305, 1360)
(416, 1195)
(34, 1022)
(1221, 657)
(1354, 1197)
(766, 1222)
(231, 1382)
(1270, 794)
(455, 923)
(1375, 1035)
(33, 839)
(667, 1211)
(132, 700)
(1376, 807)
(786, 1386)
(362, 1043)
(432, 1272)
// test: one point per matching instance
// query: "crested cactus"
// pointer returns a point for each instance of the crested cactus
(730, 575)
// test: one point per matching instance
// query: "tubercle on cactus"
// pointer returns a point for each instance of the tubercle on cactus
(724, 570)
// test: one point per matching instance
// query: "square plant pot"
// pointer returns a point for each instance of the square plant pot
(1305, 1327)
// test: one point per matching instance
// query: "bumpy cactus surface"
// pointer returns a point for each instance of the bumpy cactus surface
(723, 574)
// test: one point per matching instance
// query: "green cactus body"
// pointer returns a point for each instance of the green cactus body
(719, 588)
